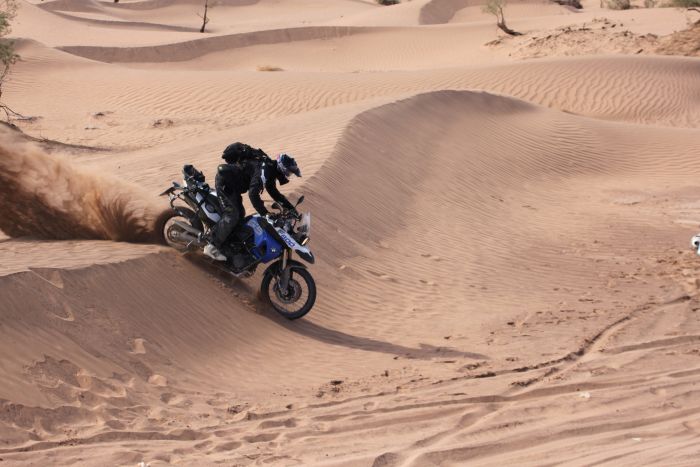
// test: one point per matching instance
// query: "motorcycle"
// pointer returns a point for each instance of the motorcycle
(287, 284)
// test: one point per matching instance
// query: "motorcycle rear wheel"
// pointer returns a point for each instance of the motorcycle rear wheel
(168, 232)
(301, 286)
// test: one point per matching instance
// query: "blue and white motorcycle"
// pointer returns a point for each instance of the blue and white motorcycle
(287, 284)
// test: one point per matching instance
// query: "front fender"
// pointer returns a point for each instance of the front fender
(303, 252)
(306, 255)
(276, 267)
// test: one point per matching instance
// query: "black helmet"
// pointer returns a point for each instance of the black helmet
(235, 152)
(287, 165)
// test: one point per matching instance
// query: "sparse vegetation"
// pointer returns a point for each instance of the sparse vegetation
(205, 19)
(8, 56)
(495, 7)
(269, 68)
(388, 2)
(618, 4)
(649, 3)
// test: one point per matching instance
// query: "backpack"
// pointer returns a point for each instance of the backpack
(241, 153)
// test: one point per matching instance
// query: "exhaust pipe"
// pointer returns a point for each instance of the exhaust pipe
(190, 234)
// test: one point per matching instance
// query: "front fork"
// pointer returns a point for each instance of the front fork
(286, 272)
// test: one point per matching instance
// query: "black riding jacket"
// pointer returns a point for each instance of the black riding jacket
(253, 176)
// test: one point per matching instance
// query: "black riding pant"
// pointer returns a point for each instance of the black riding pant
(231, 219)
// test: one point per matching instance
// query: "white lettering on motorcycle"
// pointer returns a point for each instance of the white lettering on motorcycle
(289, 241)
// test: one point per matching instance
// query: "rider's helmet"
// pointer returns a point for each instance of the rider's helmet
(286, 165)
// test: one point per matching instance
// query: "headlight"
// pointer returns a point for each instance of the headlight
(304, 240)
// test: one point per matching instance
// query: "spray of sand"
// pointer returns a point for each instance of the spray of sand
(46, 196)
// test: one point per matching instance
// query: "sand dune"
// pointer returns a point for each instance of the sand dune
(126, 24)
(446, 11)
(502, 264)
(192, 49)
(603, 88)
(505, 169)
(95, 5)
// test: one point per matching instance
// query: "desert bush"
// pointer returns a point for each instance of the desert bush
(205, 18)
(495, 7)
(388, 2)
(618, 4)
(649, 3)
(269, 68)
(8, 56)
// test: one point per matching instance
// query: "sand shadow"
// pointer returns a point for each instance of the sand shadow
(309, 329)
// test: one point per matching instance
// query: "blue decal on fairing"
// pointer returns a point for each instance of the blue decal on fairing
(266, 247)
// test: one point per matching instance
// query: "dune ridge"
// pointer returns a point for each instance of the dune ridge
(96, 5)
(441, 11)
(597, 87)
(125, 24)
(189, 50)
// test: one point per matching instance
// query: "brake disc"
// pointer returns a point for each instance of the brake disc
(293, 292)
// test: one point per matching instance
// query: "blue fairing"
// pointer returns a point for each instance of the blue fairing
(266, 247)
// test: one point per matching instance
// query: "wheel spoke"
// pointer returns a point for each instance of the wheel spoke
(298, 289)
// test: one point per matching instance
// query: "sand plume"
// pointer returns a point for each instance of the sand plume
(45, 196)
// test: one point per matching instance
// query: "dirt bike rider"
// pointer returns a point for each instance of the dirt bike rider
(251, 170)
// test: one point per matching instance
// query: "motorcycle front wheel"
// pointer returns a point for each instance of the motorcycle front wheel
(299, 297)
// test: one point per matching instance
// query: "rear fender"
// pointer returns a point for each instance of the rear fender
(182, 211)
(187, 213)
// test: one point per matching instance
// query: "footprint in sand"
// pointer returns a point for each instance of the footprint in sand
(370, 406)
(52, 277)
(382, 276)
(692, 426)
(137, 346)
(158, 380)
(84, 379)
(69, 313)
(230, 446)
(287, 423)
(261, 438)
